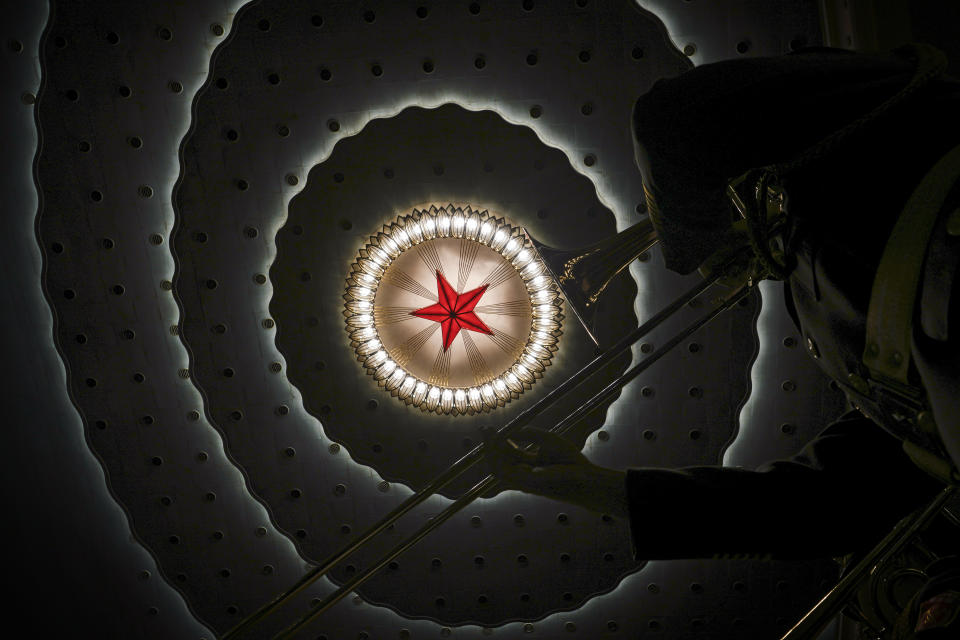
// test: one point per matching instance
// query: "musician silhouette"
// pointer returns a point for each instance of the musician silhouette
(888, 126)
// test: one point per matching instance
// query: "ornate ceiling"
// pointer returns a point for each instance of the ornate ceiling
(191, 187)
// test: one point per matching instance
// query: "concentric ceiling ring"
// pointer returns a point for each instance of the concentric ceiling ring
(248, 129)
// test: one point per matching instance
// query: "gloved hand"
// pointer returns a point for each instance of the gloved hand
(554, 468)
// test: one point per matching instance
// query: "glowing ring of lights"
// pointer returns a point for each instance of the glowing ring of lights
(423, 232)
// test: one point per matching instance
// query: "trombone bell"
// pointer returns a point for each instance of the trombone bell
(583, 274)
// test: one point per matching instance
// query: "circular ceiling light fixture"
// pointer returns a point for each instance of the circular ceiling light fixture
(451, 310)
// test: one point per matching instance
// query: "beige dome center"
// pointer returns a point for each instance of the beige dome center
(416, 344)
(452, 310)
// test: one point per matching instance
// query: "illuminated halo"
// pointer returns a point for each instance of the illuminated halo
(485, 355)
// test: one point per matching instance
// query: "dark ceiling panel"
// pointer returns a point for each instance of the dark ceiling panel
(109, 124)
(291, 80)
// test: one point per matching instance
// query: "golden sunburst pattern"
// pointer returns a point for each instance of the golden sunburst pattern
(392, 313)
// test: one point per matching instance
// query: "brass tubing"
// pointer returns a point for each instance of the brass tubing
(453, 471)
(583, 274)
(658, 353)
(833, 602)
(474, 455)
(484, 485)
(456, 506)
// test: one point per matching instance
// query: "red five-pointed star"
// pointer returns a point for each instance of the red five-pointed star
(454, 311)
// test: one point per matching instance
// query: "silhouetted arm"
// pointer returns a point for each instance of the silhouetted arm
(842, 492)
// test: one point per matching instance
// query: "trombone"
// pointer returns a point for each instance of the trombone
(582, 275)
